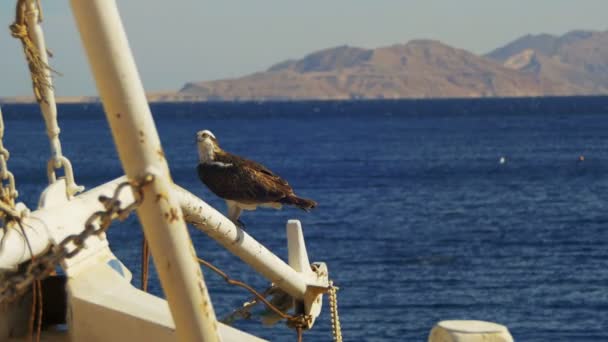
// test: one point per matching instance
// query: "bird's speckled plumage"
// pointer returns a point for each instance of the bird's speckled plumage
(244, 184)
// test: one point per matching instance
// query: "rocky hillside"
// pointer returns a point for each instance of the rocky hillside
(418, 69)
(576, 61)
(534, 65)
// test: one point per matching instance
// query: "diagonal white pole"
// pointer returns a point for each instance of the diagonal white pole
(140, 152)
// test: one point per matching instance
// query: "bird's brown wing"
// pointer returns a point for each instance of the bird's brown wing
(234, 178)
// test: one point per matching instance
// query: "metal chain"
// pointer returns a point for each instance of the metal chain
(97, 224)
(71, 187)
(8, 193)
(333, 308)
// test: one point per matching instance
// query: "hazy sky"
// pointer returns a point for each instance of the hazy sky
(193, 40)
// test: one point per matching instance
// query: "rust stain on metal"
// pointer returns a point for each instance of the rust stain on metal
(172, 215)
(118, 115)
(160, 153)
(141, 136)
(205, 305)
(160, 196)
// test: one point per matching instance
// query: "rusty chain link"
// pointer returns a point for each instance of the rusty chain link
(333, 308)
(97, 224)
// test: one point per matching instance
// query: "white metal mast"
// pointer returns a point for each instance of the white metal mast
(141, 153)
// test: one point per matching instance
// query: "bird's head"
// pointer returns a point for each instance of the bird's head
(207, 145)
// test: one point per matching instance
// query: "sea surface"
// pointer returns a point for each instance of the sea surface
(418, 219)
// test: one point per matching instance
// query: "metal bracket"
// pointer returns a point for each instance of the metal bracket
(54, 194)
(315, 275)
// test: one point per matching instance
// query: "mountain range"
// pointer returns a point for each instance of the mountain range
(534, 65)
(575, 63)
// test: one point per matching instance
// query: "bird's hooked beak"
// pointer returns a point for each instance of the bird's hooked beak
(204, 135)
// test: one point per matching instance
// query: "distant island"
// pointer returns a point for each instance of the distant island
(534, 65)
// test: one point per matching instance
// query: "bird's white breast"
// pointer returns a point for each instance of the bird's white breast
(205, 151)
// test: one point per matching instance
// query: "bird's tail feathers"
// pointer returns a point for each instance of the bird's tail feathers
(302, 203)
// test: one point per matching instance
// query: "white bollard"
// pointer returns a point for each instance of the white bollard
(469, 331)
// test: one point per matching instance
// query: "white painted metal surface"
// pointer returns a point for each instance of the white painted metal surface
(105, 307)
(297, 280)
(57, 217)
(317, 281)
(100, 295)
(469, 331)
(241, 244)
(141, 153)
(54, 221)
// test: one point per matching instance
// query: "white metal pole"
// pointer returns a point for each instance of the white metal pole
(43, 224)
(241, 244)
(140, 151)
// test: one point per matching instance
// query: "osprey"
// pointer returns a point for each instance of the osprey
(242, 183)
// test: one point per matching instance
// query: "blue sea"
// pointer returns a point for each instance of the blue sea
(418, 220)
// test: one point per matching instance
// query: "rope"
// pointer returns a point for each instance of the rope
(145, 264)
(38, 68)
(298, 322)
(39, 7)
(36, 293)
(243, 311)
(40, 73)
(30, 325)
(40, 306)
(8, 209)
(36, 312)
